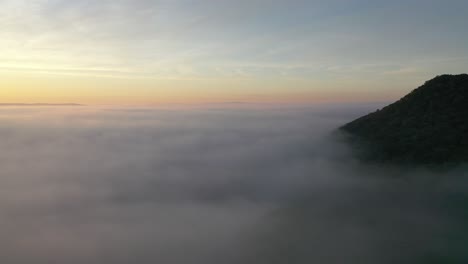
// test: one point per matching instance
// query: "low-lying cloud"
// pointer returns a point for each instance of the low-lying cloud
(147, 185)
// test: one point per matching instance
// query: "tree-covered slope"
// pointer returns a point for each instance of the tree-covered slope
(429, 125)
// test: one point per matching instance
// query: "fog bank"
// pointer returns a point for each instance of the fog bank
(214, 185)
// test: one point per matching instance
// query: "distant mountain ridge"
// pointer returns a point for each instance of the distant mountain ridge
(429, 125)
(39, 104)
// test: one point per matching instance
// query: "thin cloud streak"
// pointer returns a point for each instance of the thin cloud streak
(165, 35)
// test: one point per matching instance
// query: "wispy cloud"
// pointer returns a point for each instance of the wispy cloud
(182, 39)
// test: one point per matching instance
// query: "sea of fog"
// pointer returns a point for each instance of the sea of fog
(228, 185)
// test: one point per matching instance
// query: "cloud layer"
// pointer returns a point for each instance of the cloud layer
(251, 185)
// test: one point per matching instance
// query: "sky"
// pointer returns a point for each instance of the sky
(189, 51)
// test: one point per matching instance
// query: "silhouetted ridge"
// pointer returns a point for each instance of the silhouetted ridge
(429, 125)
(39, 104)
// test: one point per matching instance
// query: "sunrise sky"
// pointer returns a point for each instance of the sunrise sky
(188, 51)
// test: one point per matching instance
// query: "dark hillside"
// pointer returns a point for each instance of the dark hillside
(429, 125)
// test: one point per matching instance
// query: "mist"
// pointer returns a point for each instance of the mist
(215, 185)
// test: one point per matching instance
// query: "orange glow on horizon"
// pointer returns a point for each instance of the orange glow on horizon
(36, 88)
